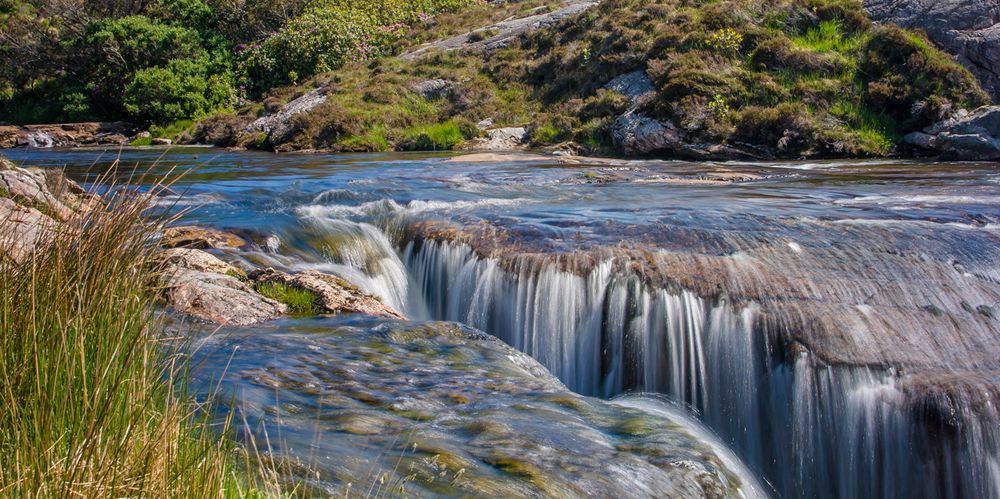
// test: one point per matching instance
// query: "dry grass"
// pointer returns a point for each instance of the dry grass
(90, 397)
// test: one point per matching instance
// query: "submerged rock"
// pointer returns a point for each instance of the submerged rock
(436, 409)
(968, 137)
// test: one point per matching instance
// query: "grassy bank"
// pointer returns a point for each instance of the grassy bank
(88, 405)
(796, 78)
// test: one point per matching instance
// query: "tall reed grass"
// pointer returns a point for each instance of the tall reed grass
(89, 399)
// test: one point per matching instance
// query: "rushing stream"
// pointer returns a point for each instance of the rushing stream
(835, 324)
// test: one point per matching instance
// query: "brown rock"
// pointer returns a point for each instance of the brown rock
(200, 238)
(335, 294)
(218, 298)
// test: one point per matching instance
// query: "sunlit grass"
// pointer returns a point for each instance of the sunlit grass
(89, 397)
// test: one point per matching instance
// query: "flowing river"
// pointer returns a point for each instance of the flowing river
(823, 329)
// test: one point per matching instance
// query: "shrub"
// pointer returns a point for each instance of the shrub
(89, 405)
(181, 89)
(901, 69)
(786, 128)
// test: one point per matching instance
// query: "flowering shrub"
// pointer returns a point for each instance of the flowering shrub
(331, 34)
(726, 40)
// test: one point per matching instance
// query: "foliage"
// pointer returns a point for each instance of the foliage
(89, 405)
(331, 33)
(436, 137)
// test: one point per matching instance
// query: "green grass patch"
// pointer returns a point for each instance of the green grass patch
(299, 301)
(141, 141)
(436, 137)
(171, 130)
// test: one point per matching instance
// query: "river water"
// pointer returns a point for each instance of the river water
(822, 329)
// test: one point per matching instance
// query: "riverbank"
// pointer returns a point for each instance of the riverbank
(93, 402)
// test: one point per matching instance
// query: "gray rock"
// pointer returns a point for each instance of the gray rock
(635, 85)
(432, 89)
(197, 260)
(22, 229)
(969, 29)
(160, 141)
(279, 126)
(635, 134)
(967, 137)
(501, 139)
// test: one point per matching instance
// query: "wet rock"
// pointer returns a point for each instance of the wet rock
(280, 126)
(199, 238)
(967, 137)
(67, 134)
(218, 298)
(470, 416)
(969, 29)
(499, 139)
(335, 294)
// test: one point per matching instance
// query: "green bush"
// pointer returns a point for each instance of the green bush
(183, 88)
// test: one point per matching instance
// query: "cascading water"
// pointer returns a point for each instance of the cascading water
(835, 323)
(814, 430)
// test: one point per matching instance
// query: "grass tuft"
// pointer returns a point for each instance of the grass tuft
(91, 403)
(300, 301)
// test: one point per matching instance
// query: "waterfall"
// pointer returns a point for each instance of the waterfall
(40, 140)
(813, 430)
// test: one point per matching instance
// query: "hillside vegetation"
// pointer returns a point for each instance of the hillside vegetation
(160, 61)
(763, 78)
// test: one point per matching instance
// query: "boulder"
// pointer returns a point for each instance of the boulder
(200, 238)
(335, 295)
(46, 190)
(635, 85)
(635, 134)
(219, 298)
(160, 141)
(432, 89)
(279, 126)
(968, 29)
(966, 137)
(22, 229)
(499, 139)
(197, 260)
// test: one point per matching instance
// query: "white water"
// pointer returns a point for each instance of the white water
(812, 430)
